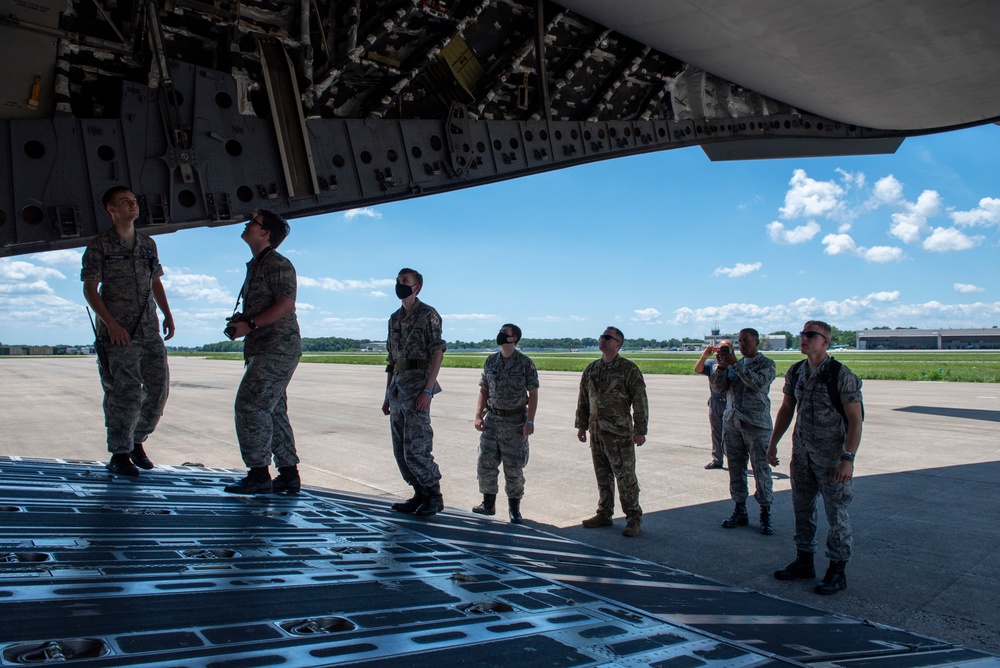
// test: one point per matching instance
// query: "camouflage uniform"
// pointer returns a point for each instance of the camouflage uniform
(136, 379)
(503, 439)
(607, 393)
(747, 424)
(716, 409)
(414, 336)
(271, 353)
(817, 443)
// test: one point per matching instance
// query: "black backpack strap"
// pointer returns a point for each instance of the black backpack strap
(833, 387)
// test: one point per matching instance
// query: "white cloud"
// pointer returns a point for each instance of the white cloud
(808, 197)
(839, 244)
(196, 287)
(337, 285)
(967, 288)
(649, 316)
(852, 179)
(882, 254)
(887, 190)
(910, 224)
(849, 313)
(884, 296)
(377, 293)
(367, 212)
(19, 270)
(987, 213)
(67, 258)
(741, 269)
(944, 239)
(470, 316)
(797, 235)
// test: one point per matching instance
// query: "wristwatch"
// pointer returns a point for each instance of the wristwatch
(252, 324)
(847, 456)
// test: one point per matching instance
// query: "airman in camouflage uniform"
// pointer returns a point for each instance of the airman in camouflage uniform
(613, 407)
(133, 359)
(416, 349)
(505, 414)
(747, 425)
(271, 351)
(824, 445)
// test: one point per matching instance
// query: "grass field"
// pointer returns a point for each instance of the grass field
(960, 366)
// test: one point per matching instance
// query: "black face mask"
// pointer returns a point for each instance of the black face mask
(502, 338)
(403, 291)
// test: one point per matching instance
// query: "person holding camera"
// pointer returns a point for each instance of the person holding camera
(121, 282)
(716, 401)
(271, 350)
(747, 425)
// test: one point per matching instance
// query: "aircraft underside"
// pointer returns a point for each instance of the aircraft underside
(210, 110)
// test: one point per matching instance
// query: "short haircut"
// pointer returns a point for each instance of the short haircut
(417, 276)
(820, 325)
(514, 328)
(621, 337)
(110, 193)
(275, 224)
(752, 331)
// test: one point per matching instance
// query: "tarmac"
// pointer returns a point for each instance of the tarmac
(926, 535)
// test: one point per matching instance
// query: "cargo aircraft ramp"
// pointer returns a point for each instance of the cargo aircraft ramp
(100, 571)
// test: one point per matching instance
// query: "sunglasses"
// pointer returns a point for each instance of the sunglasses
(809, 335)
(606, 337)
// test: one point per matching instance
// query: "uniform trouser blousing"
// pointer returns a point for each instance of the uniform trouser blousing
(262, 425)
(502, 441)
(748, 443)
(809, 481)
(135, 384)
(614, 460)
(412, 443)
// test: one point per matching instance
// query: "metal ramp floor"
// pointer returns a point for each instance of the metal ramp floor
(168, 570)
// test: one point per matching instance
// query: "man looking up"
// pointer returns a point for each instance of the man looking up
(747, 425)
(613, 406)
(825, 441)
(505, 414)
(415, 351)
(121, 282)
(271, 351)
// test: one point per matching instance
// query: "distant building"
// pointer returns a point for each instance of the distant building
(372, 347)
(776, 342)
(928, 339)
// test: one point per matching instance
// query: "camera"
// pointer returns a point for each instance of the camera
(230, 331)
(725, 350)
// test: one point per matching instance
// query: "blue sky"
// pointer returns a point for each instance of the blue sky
(663, 245)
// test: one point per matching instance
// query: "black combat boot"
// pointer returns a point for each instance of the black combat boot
(514, 510)
(800, 569)
(258, 481)
(433, 502)
(488, 506)
(739, 518)
(411, 504)
(120, 464)
(834, 580)
(766, 527)
(288, 481)
(139, 458)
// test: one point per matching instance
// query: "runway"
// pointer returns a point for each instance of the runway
(926, 538)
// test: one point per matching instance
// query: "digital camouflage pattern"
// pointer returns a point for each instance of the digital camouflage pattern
(136, 378)
(818, 440)
(262, 425)
(413, 336)
(747, 424)
(747, 384)
(716, 409)
(270, 277)
(272, 353)
(612, 398)
(614, 460)
(503, 441)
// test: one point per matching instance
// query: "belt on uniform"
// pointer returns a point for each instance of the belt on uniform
(507, 413)
(406, 365)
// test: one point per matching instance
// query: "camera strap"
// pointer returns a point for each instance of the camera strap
(250, 274)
